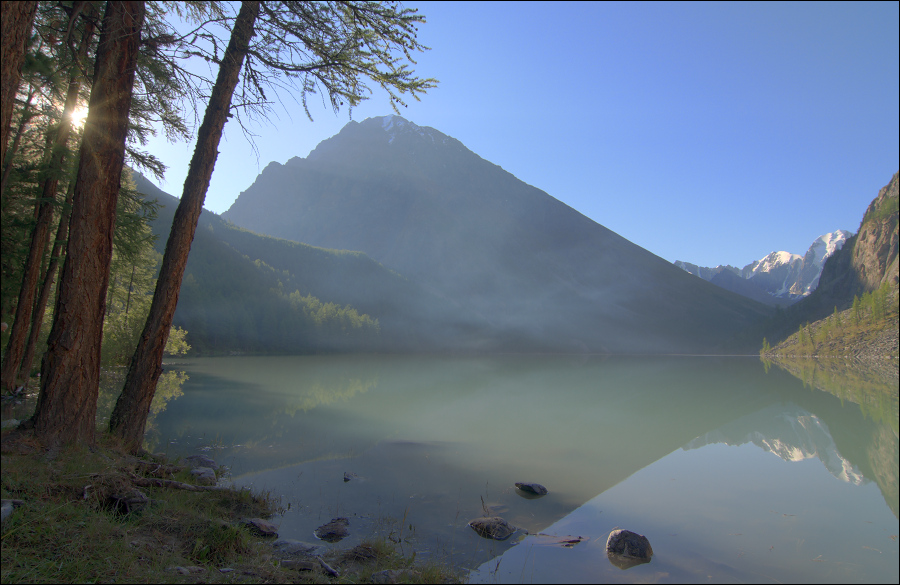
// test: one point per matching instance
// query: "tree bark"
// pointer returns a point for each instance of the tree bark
(40, 306)
(129, 418)
(27, 114)
(15, 26)
(40, 236)
(70, 374)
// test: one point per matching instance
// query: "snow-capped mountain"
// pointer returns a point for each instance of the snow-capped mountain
(783, 276)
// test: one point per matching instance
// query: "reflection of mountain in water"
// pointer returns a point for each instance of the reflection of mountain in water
(790, 432)
(859, 401)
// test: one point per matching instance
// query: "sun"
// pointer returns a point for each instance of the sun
(79, 115)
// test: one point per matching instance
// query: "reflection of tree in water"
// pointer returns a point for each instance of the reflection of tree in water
(873, 387)
(323, 393)
(168, 388)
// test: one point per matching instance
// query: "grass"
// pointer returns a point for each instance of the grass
(69, 530)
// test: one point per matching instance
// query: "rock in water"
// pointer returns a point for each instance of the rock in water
(333, 531)
(533, 489)
(626, 549)
(494, 527)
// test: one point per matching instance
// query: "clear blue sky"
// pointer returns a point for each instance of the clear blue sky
(704, 132)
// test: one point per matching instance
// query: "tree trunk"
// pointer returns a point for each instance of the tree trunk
(40, 306)
(129, 418)
(70, 374)
(40, 237)
(15, 26)
(27, 114)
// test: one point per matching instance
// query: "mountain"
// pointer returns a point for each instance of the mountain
(541, 275)
(243, 292)
(870, 258)
(866, 264)
(779, 279)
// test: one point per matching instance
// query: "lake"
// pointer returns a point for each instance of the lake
(733, 469)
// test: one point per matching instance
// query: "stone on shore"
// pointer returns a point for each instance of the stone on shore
(199, 461)
(204, 475)
(262, 527)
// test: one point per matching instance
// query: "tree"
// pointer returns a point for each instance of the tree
(15, 24)
(66, 407)
(129, 416)
(57, 139)
(328, 46)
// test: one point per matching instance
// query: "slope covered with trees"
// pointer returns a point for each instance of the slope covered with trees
(857, 294)
(249, 293)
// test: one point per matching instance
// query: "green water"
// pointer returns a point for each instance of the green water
(733, 472)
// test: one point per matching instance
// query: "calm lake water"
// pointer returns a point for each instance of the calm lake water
(734, 471)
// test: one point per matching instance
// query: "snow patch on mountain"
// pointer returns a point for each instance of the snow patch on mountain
(395, 125)
(781, 274)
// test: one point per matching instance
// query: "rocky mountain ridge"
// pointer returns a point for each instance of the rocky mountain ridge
(866, 265)
(780, 278)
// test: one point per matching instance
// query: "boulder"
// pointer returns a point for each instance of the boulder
(626, 549)
(492, 527)
(128, 502)
(196, 461)
(333, 531)
(7, 507)
(204, 475)
(9, 424)
(261, 527)
(531, 489)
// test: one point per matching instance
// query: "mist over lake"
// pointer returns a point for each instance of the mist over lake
(733, 472)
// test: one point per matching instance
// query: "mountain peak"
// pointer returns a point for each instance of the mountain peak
(781, 274)
(395, 126)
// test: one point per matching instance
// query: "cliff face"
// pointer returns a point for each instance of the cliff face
(869, 258)
(875, 253)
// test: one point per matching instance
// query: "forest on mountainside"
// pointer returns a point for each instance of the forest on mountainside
(248, 293)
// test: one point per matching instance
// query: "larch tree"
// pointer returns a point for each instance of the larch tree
(299, 47)
(57, 150)
(129, 417)
(15, 25)
(66, 407)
